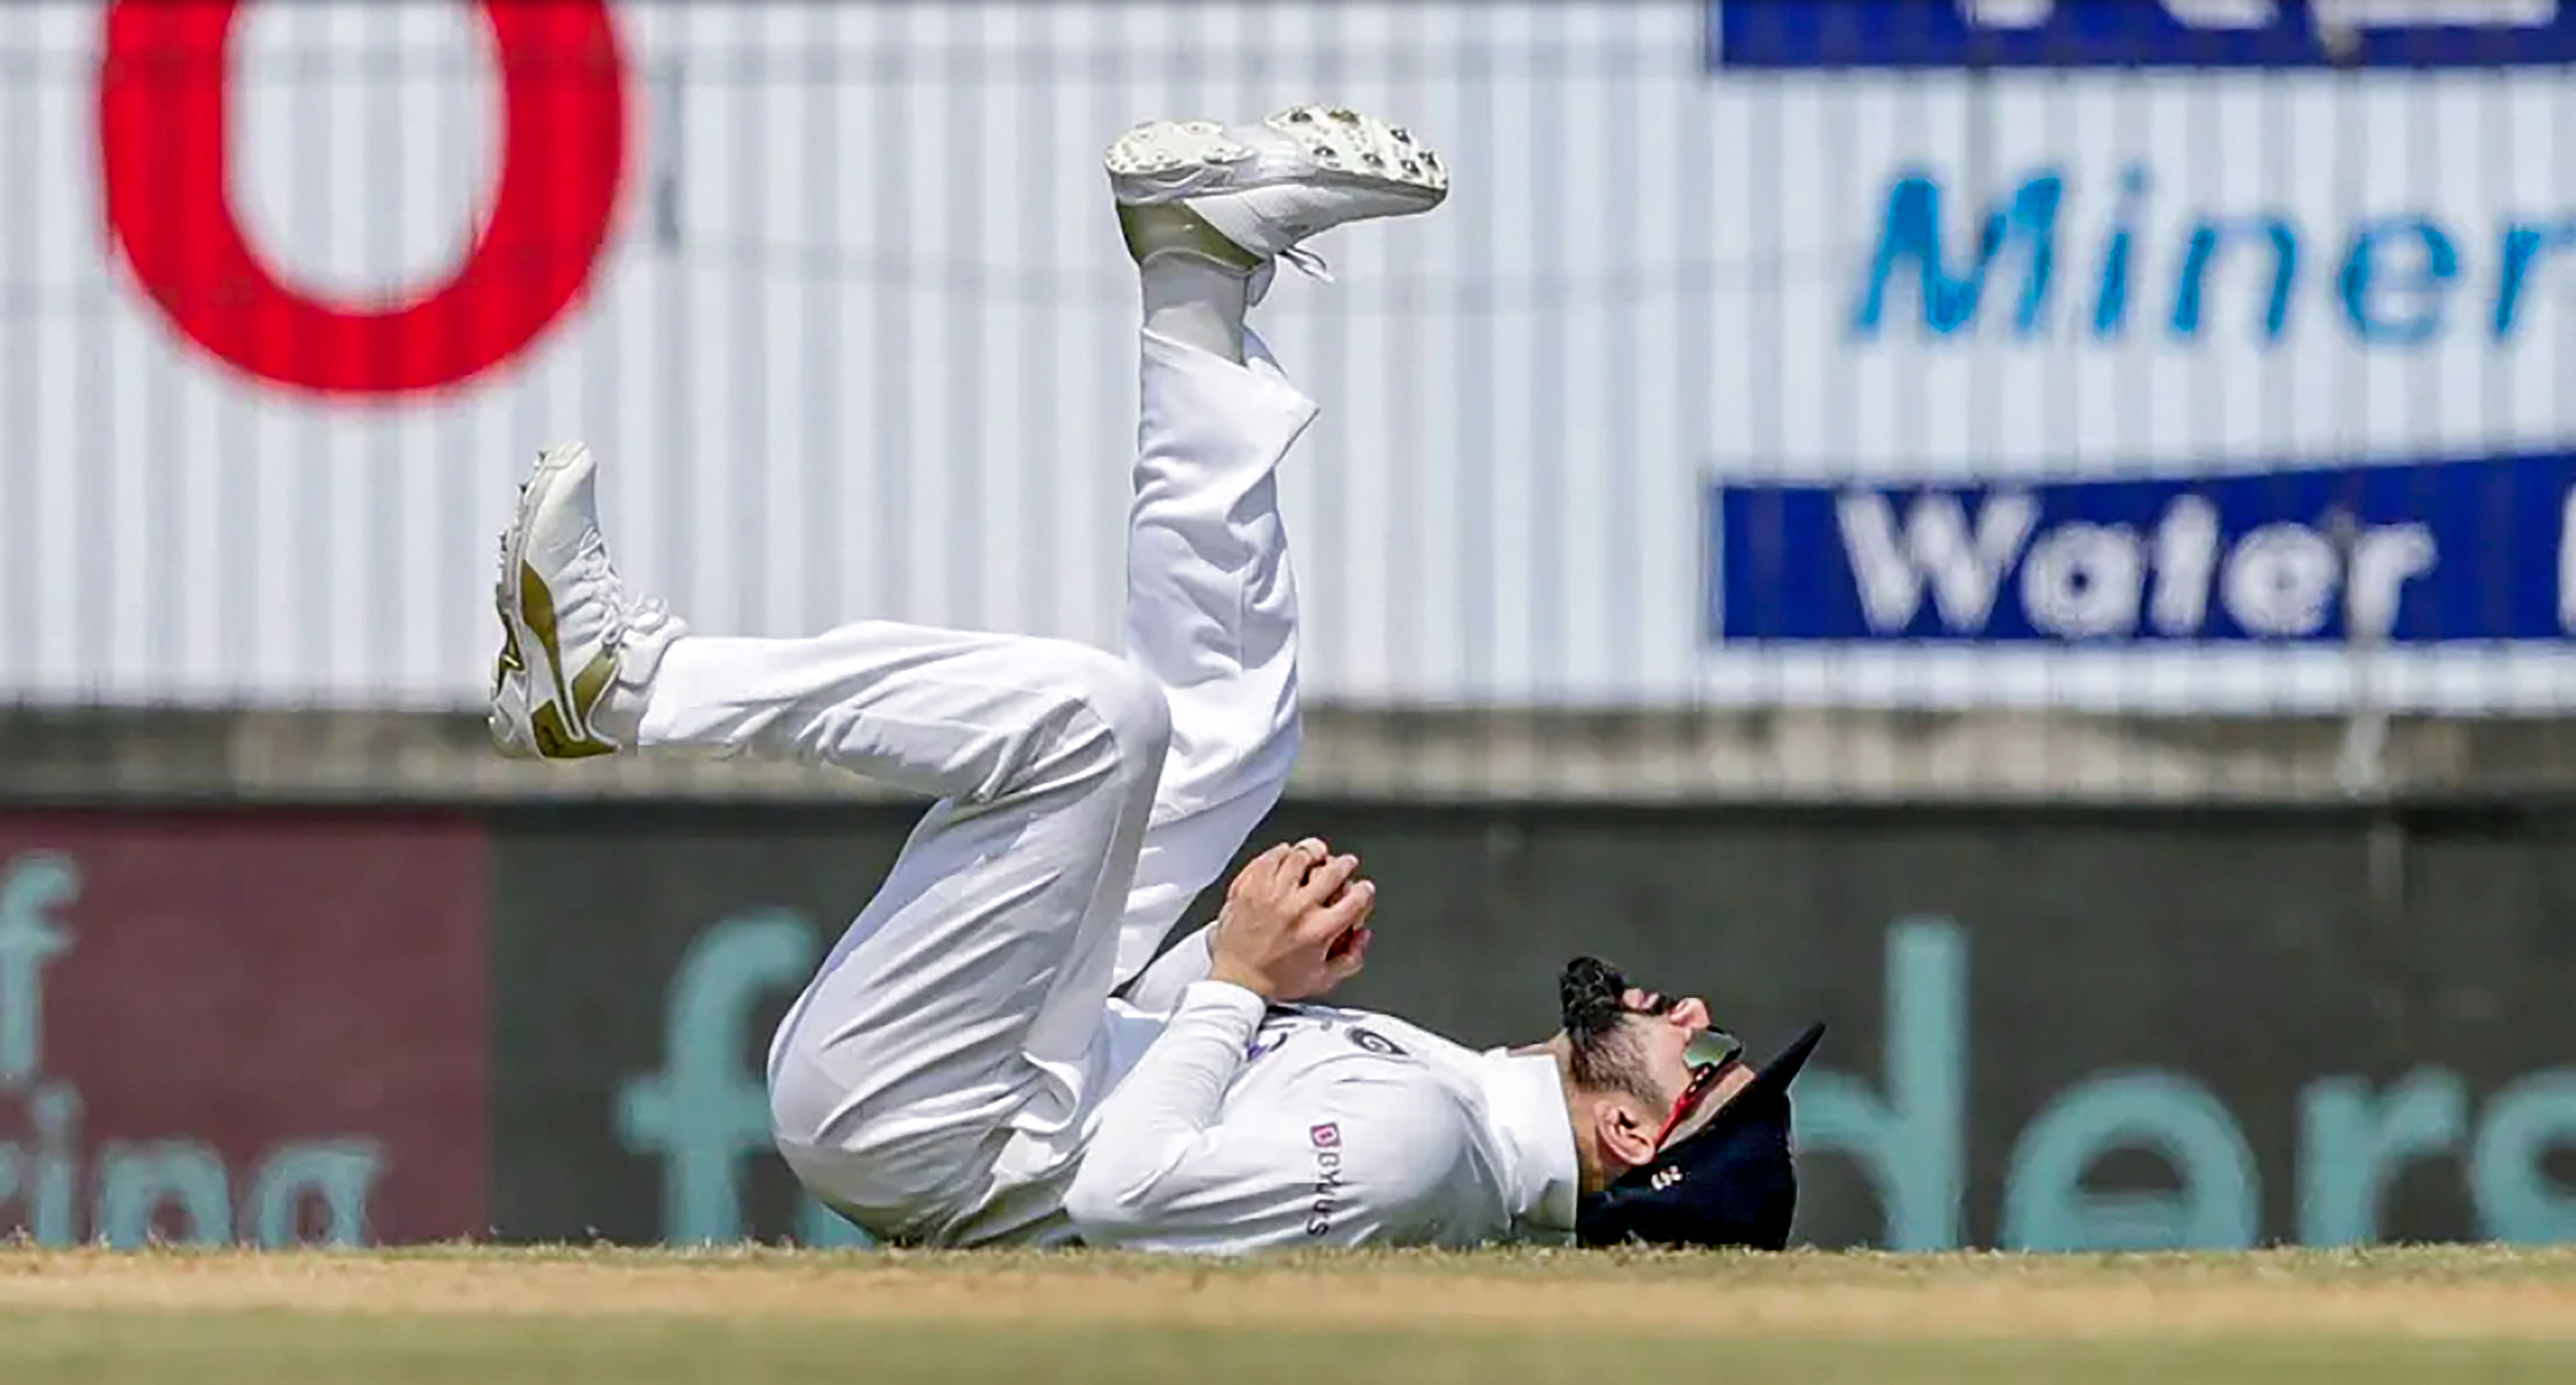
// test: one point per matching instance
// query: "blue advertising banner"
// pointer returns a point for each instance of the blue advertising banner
(2426, 552)
(1796, 34)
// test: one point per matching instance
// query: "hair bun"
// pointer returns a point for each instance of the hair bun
(1588, 996)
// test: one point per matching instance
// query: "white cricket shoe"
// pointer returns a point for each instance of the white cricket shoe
(1247, 195)
(571, 637)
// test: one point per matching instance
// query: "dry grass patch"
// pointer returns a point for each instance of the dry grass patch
(2447, 1294)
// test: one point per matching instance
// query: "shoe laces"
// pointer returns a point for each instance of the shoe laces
(590, 566)
(1308, 263)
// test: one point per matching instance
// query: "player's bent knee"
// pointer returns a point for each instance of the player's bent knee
(1128, 702)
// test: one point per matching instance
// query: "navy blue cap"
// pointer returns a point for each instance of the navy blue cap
(1730, 1183)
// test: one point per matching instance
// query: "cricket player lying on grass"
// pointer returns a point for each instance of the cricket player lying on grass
(963, 1069)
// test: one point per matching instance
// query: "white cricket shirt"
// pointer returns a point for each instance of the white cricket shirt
(1247, 1127)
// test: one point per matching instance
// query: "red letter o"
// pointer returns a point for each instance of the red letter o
(162, 119)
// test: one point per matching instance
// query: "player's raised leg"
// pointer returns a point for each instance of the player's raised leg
(1206, 211)
(960, 1010)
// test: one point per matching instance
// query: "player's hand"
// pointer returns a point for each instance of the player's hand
(1295, 923)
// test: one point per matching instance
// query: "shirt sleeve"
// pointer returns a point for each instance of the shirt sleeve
(1362, 1153)
(1159, 989)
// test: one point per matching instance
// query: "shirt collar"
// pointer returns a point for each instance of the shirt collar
(1525, 1102)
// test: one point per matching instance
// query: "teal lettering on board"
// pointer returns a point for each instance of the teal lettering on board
(2046, 1206)
(1910, 243)
(2515, 1200)
(2397, 279)
(33, 892)
(2386, 281)
(339, 1174)
(2353, 1144)
(1912, 1141)
(704, 1112)
(138, 1182)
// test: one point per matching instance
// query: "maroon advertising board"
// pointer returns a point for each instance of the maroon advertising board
(247, 1027)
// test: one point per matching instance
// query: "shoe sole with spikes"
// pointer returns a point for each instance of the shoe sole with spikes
(1165, 161)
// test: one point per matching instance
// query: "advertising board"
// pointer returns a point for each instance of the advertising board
(834, 290)
(2053, 1029)
(264, 1029)
(2195, 356)
(2045, 1028)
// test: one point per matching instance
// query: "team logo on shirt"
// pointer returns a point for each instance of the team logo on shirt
(1375, 1042)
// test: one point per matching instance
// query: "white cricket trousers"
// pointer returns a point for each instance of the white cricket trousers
(934, 1080)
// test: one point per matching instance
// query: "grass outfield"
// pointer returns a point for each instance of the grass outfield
(564, 1317)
